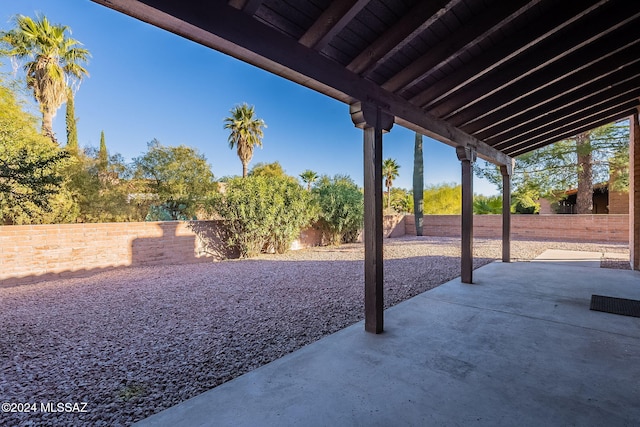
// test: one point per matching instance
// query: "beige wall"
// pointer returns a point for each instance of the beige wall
(618, 202)
(35, 252)
(587, 228)
(30, 253)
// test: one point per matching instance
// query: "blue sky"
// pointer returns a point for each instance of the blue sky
(146, 83)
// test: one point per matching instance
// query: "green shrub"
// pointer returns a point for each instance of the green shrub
(263, 213)
(486, 205)
(341, 205)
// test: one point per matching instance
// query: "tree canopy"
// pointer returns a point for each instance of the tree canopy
(245, 132)
(51, 60)
(30, 168)
(549, 171)
(179, 177)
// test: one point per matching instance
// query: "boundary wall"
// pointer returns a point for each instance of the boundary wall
(571, 228)
(30, 253)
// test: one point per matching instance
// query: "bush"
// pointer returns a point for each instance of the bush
(341, 205)
(263, 213)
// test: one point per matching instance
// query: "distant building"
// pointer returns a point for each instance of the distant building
(604, 202)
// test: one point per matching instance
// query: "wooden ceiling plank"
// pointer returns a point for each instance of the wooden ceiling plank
(563, 78)
(331, 22)
(419, 18)
(235, 33)
(591, 94)
(490, 21)
(249, 7)
(597, 60)
(555, 96)
(568, 131)
(565, 14)
(584, 46)
(560, 119)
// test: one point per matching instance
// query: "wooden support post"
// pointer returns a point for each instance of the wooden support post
(506, 171)
(373, 121)
(634, 192)
(467, 156)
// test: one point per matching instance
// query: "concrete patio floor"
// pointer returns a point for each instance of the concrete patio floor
(518, 347)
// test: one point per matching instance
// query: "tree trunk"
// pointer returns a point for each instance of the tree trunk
(388, 197)
(245, 169)
(584, 198)
(47, 125)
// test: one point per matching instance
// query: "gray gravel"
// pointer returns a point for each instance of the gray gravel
(132, 342)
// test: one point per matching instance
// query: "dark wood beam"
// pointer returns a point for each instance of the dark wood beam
(501, 13)
(558, 94)
(569, 132)
(497, 127)
(230, 31)
(331, 22)
(374, 122)
(634, 191)
(250, 7)
(419, 18)
(563, 117)
(549, 132)
(467, 157)
(562, 76)
(564, 15)
(506, 212)
(540, 68)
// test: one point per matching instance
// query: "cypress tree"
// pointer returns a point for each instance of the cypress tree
(71, 121)
(418, 184)
(103, 157)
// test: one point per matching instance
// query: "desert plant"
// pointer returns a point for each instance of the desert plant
(245, 132)
(263, 213)
(341, 205)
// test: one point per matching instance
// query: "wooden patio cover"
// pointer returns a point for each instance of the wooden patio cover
(493, 78)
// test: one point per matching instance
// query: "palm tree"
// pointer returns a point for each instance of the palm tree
(52, 61)
(390, 172)
(309, 177)
(246, 131)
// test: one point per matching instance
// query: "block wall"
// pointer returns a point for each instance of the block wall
(34, 252)
(29, 253)
(575, 228)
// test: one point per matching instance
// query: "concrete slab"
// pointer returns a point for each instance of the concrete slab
(519, 347)
(558, 256)
(578, 258)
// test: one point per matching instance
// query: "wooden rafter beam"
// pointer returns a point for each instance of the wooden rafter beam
(331, 22)
(250, 7)
(552, 126)
(419, 18)
(501, 13)
(601, 38)
(620, 66)
(568, 132)
(563, 16)
(625, 81)
(237, 34)
(616, 94)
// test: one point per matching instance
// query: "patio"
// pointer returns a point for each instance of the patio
(519, 346)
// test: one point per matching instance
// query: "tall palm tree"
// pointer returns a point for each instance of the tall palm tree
(390, 172)
(309, 177)
(52, 61)
(245, 132)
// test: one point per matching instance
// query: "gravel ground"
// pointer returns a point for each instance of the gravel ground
(132, 342)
